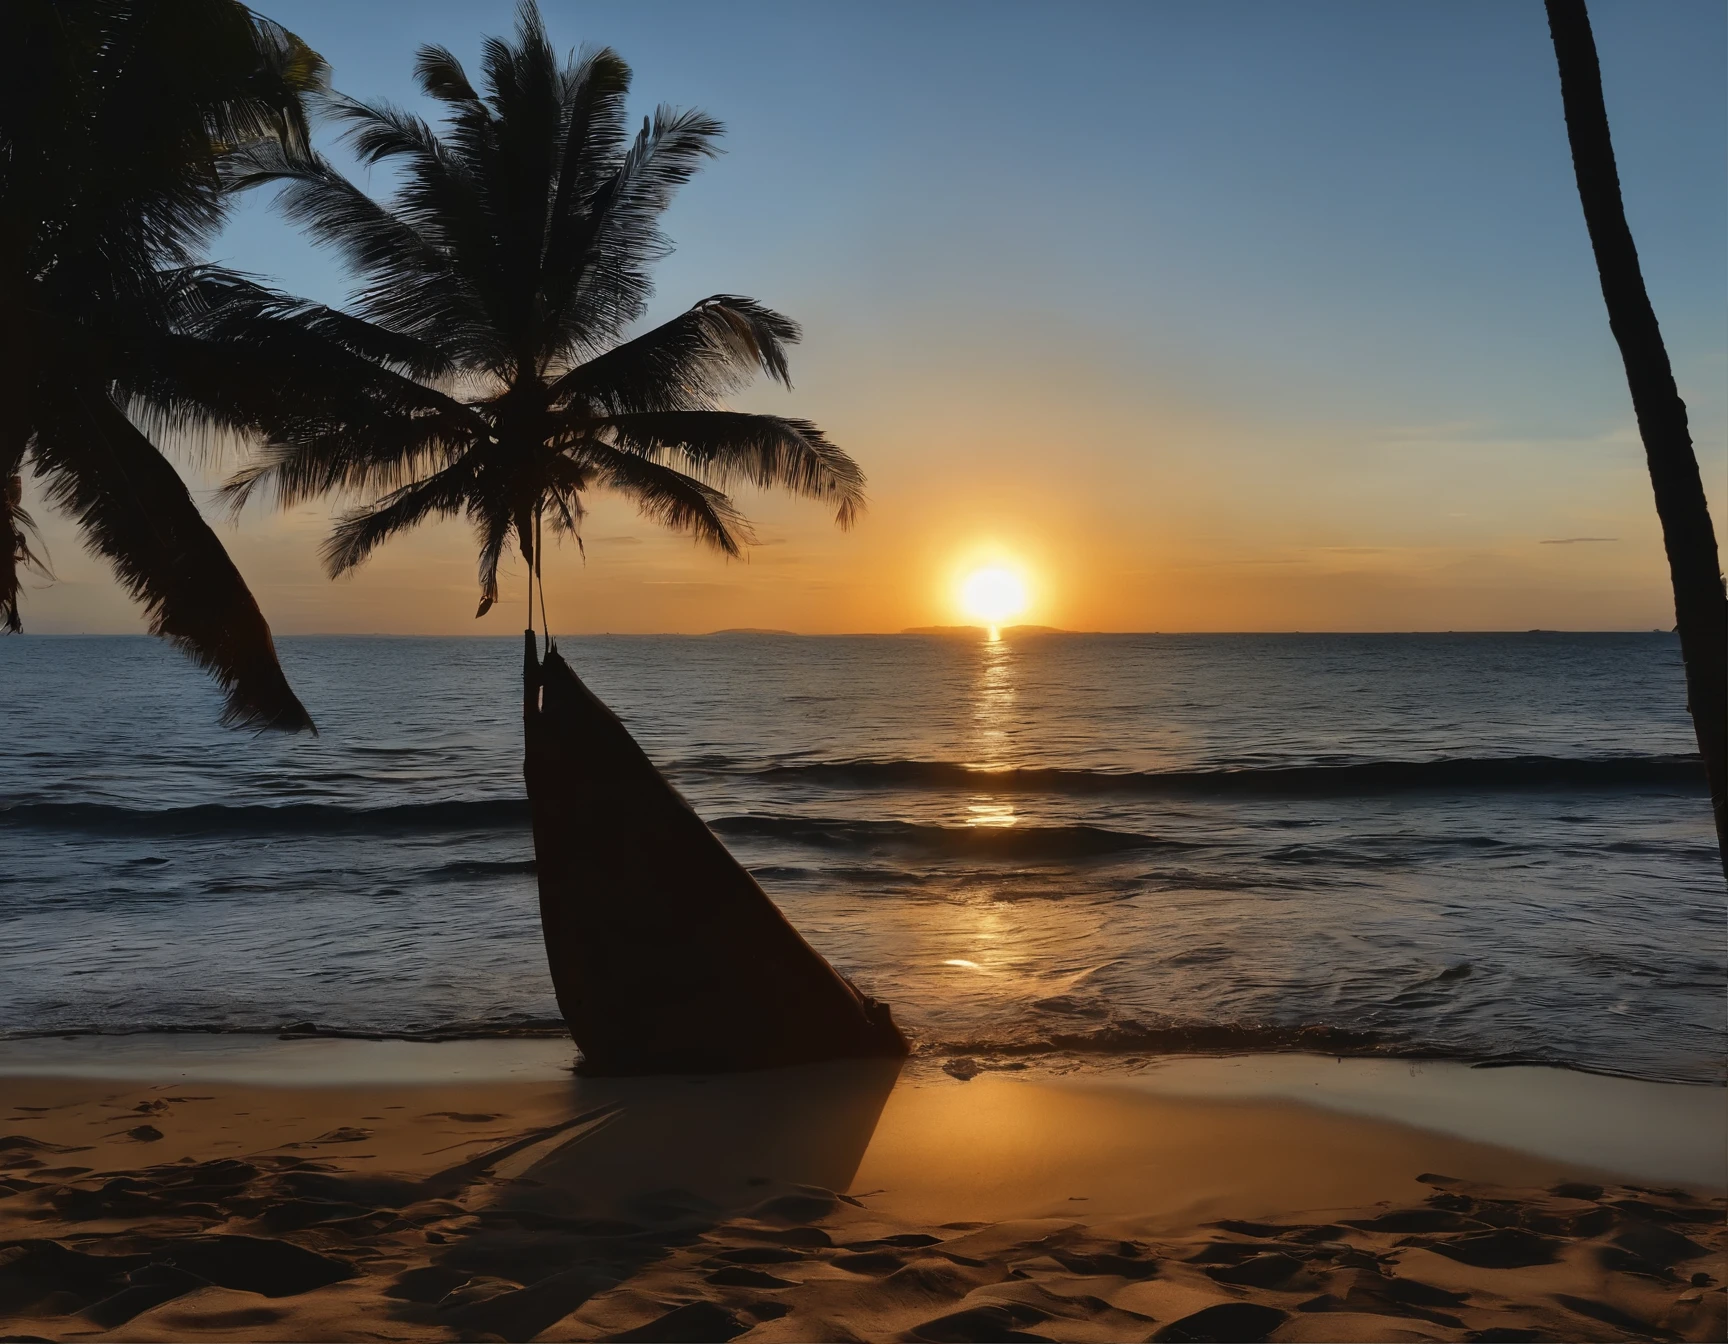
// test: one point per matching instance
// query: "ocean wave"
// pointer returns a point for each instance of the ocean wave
(1007, 842)
(1116, 1043)
(1467, 774)
(1127, 1037)
(1126, 1041)
(484, 868)
(503, 1029)
(1004, 842)
(1116, 1038)
(1356, 779)
(269, 819)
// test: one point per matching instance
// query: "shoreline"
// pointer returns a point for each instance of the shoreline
(1638, 1129)
(340, 1189)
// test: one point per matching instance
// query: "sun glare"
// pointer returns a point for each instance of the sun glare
(993, 595)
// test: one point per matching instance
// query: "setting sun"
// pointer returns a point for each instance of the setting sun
(993, 595)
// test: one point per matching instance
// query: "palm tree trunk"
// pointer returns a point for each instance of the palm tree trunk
(540, 578)
(1700, 605)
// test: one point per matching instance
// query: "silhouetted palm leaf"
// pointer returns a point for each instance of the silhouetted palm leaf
(115, 119)
(763, 450)
(16, 553)
(134, 509)
(482, 371)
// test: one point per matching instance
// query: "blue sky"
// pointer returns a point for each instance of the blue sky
(1233, 314)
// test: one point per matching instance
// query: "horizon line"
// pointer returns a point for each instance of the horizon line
(926, 632)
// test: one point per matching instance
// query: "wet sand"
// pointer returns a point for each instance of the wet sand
(160, 1189)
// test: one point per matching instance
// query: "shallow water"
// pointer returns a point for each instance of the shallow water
(1481, 847)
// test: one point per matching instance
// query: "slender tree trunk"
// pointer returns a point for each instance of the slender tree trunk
(1700, 606)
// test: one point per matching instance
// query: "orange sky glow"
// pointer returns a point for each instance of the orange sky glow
(1299, 330)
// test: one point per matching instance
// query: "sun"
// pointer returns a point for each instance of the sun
(993, 595)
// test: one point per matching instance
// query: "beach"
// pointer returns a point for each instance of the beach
(1367, 1027)
(171, 1188)
(1169, 786)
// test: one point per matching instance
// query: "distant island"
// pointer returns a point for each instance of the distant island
(748, 630)
(979, 631)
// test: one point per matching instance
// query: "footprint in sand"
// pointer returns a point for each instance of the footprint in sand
(343, 1134)
(742, 1276)
(138, 1133)
(23, 1143)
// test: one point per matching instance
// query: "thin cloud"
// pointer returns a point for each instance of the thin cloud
(1573, 541)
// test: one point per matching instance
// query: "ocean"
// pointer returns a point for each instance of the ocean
(1056, 850)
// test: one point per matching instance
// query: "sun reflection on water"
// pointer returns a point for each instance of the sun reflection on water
(990, 812)
(990, 938)
(993, 704)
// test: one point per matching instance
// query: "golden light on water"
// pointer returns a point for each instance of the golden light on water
(993, 595)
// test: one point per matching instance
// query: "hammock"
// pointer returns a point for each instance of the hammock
(666, 955)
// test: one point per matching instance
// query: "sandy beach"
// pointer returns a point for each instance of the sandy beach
(943, 673)
(158, 1189)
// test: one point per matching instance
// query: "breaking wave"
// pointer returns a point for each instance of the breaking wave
(1466, 774)
(1120, 1039)
(267, 819)
(1006, 842)
(1131, 1040)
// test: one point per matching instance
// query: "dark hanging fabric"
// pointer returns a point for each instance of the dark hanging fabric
(666, 955)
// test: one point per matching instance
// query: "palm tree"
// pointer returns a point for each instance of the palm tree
(114, 121)
(1700, 603)
(483, 370)
(484, 373)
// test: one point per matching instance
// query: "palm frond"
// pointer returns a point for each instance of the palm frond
(133, 508)
(685, 364)
(493, 530)
(351, 455)
(592, 139)
(115, 124)
(566, 480)
(514, 160)
(618, 239)
(668, 497)
(768, 451)
(235, 310)
(16, 556)
(117, 118)
(441, 76)
(356, 535)
(515, 73)
(379, 131)
(480, 196)
(217, 371)
(411, 285)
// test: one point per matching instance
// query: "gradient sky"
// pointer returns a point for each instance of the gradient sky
(1212, 315)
